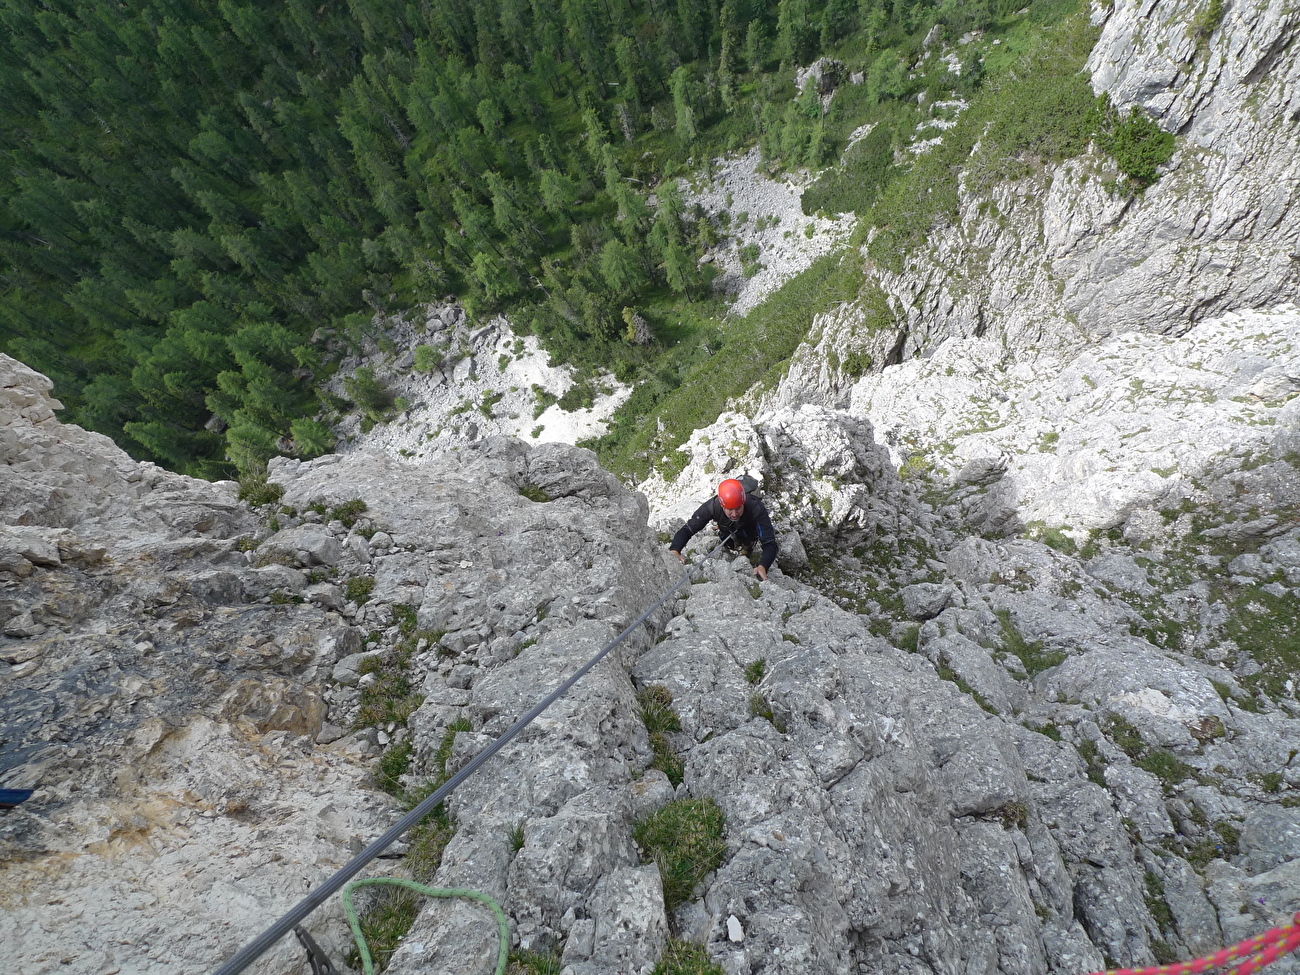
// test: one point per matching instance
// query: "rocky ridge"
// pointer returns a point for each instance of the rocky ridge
(1064, 257)
(950, 752)
(480, 380)
(1025, 704)
(162, 698)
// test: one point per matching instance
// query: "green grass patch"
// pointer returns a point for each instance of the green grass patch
(867, 169)
(661, 718)
(348, 512)
(1207, 22)
(909, 637)
(257, 490)
(1267, 626)
(427, 358)
(754, 671)
(1125, 736)
(389, 912)
(1165, 767)
(760, 708)
(685, 958)
(533, 963)
(657, 709)
(684, 839)
(1032, 656)
(1053, 537)
(394, 763)
(359, 588)
(1047, 114)
(1137, 143)
(391, 697)
(1222, 846)
(948, 674)
(533, 493)
(1096, 763)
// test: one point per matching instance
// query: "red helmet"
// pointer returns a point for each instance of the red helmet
(731, 493)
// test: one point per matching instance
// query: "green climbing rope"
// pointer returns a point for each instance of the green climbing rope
(368, 966)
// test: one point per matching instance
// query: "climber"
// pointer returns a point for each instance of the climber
(740, 520)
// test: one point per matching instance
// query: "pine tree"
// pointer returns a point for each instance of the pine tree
(685, 112)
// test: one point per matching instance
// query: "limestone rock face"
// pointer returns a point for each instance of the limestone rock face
(1084, 438)
(947, 751)
(817, 468)
(1062, 259)
(163, 710)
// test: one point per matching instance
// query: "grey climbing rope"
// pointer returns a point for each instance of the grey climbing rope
(259, 945)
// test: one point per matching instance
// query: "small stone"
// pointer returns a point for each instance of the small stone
(735, 933)
(329, 733)
(23, 625)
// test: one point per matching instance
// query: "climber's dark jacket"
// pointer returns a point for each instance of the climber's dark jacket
(754, 525)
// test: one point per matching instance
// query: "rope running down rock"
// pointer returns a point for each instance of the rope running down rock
(254, 949)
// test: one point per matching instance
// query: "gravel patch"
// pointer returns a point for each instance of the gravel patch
(487, 386)
(775, 224)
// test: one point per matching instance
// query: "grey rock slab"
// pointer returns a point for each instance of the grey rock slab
(1140, 800)
(982, 471)
(752, 774)
(648, 794)
(319, 544)
(38, 546)
(325, 595)
(1195, 917)
(631, 928)
(925, 600)
(1068, 948)
(359, 547)
(707, 683)
(791, 556)
(973, 664)
(401, 577)
(1110, 906)
(1277, 891)
(563, 859)
(1002, 896)
(1163, 698)
(784, 896)
(579, 943)
(1082, 822)
(1269, 838)
(348, 670)
(1120, 572)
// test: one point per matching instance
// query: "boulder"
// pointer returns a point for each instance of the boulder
(309, 544)
(925, 600)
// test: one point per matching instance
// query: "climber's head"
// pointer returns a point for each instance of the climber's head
(731, 493)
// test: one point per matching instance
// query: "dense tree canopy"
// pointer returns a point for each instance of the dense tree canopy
(189, 191)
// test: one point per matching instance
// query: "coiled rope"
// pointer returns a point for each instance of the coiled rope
(1242, 958)
(258, 946)
(368, 966)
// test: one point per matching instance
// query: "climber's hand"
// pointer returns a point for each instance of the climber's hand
(679, 556)
(760, 572)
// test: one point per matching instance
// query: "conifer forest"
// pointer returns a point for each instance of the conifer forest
(202, 202)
